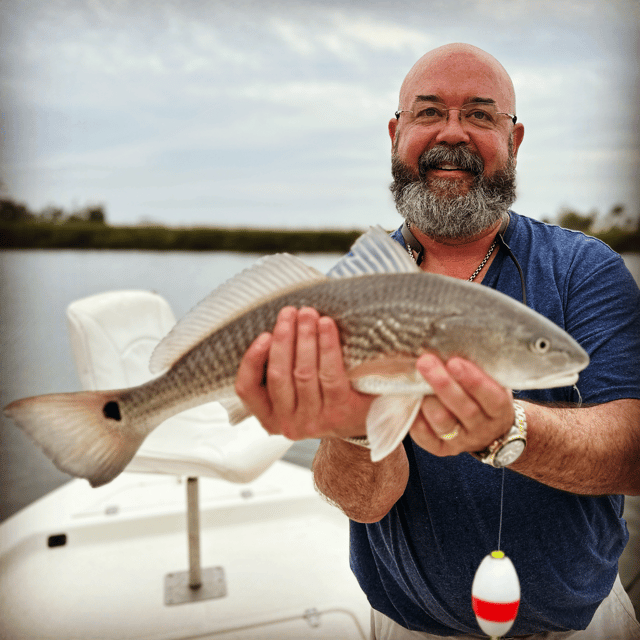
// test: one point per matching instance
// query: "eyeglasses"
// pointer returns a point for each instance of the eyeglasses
(477, 114)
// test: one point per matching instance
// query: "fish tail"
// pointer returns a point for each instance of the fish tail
(83, 433)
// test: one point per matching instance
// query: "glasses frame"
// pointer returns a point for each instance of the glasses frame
(513, 117)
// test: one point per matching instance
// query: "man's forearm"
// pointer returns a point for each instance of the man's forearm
(364, 490)
(593, 450)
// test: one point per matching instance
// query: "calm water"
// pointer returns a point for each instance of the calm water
(35, 356)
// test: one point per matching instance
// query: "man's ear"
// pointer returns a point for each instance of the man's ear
(518, 135)
(393, 125)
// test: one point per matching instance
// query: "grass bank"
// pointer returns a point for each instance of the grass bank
(91, 235)
(84, 235)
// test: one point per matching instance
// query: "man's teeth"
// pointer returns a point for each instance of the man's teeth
(449, 167)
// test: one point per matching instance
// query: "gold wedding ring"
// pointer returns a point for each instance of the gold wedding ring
(451, 435)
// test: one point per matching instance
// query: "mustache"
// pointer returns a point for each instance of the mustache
(459, 155)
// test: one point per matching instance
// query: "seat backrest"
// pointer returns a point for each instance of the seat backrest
(113, 335)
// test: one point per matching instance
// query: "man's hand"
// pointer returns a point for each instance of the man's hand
(307, 393)
(466, 400)
(293, 380)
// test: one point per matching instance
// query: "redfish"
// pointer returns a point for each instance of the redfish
(388, 313)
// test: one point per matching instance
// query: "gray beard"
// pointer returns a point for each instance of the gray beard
(435, 206)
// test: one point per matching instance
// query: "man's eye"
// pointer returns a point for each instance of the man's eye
(429, 112)
(479, 114)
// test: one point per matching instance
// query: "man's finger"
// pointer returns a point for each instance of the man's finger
(280, 384)
(250, 377)
(451, 398)
(440, 419)
(305, 373)
(333, 381)
(491, 397)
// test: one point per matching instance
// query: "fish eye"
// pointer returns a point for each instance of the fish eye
(540, 345)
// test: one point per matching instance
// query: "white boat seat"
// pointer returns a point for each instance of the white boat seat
(113, 335)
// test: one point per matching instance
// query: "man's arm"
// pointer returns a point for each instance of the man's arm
(593, 450)
(307, 394)
(365, 491)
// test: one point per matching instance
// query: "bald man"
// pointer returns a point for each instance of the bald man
(425, 516)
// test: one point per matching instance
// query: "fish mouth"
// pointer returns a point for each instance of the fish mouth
(552, 380)
(565, 380)
(562, 369)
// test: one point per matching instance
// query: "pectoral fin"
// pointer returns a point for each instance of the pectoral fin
(388, 422)
(235, 408)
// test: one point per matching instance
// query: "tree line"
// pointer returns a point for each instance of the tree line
(12, 212)
(616, 219)
(617, 228)
(87, 228)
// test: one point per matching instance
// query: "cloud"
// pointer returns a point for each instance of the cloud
(348, 36)
(139, 103)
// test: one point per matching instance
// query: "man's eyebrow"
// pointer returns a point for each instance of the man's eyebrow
(473, 100)
(478, 100)
(430, 98)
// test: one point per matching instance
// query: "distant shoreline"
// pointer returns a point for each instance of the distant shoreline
(97, 236)
(91, 236)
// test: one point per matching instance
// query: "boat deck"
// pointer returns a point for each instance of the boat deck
(92, 563)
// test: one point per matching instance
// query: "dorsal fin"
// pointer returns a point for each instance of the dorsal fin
(374, 252)
(269, 276)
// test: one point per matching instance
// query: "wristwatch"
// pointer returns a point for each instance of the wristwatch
(361, 441)
(507, 449)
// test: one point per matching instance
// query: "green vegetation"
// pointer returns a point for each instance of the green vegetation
(17, 213)
(87, 228)
(83, 235)
(619, 231)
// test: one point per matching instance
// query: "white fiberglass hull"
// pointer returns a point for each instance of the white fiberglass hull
(283, 551)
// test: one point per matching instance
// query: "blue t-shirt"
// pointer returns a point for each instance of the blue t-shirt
(417, 564)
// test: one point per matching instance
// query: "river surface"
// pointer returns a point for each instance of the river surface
(35, 354)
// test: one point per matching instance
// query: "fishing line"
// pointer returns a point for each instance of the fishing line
(495, 592)
(507, 248)
(501, 509)
(579, 395)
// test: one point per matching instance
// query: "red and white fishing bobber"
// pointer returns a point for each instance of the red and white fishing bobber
(495, 594)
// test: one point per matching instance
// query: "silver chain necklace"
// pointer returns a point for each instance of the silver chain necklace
(480, 266)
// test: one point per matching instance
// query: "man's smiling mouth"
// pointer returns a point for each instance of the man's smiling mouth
(450, 159)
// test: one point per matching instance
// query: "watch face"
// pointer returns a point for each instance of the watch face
(509, 453)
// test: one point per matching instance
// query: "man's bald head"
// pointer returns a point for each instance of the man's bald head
(459, 59)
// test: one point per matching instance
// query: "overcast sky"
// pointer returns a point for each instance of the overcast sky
(274, 114)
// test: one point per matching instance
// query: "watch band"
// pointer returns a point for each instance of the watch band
(516, 434)
(361, 441)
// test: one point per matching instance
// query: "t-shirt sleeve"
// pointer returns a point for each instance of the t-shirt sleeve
(602, 313)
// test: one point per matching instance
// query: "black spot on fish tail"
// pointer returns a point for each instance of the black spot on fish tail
(111, 410)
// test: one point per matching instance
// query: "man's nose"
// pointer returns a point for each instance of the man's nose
(452, 131)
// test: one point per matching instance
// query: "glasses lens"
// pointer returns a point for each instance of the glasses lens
(484, 116)
(430, 113)
(480, 115)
